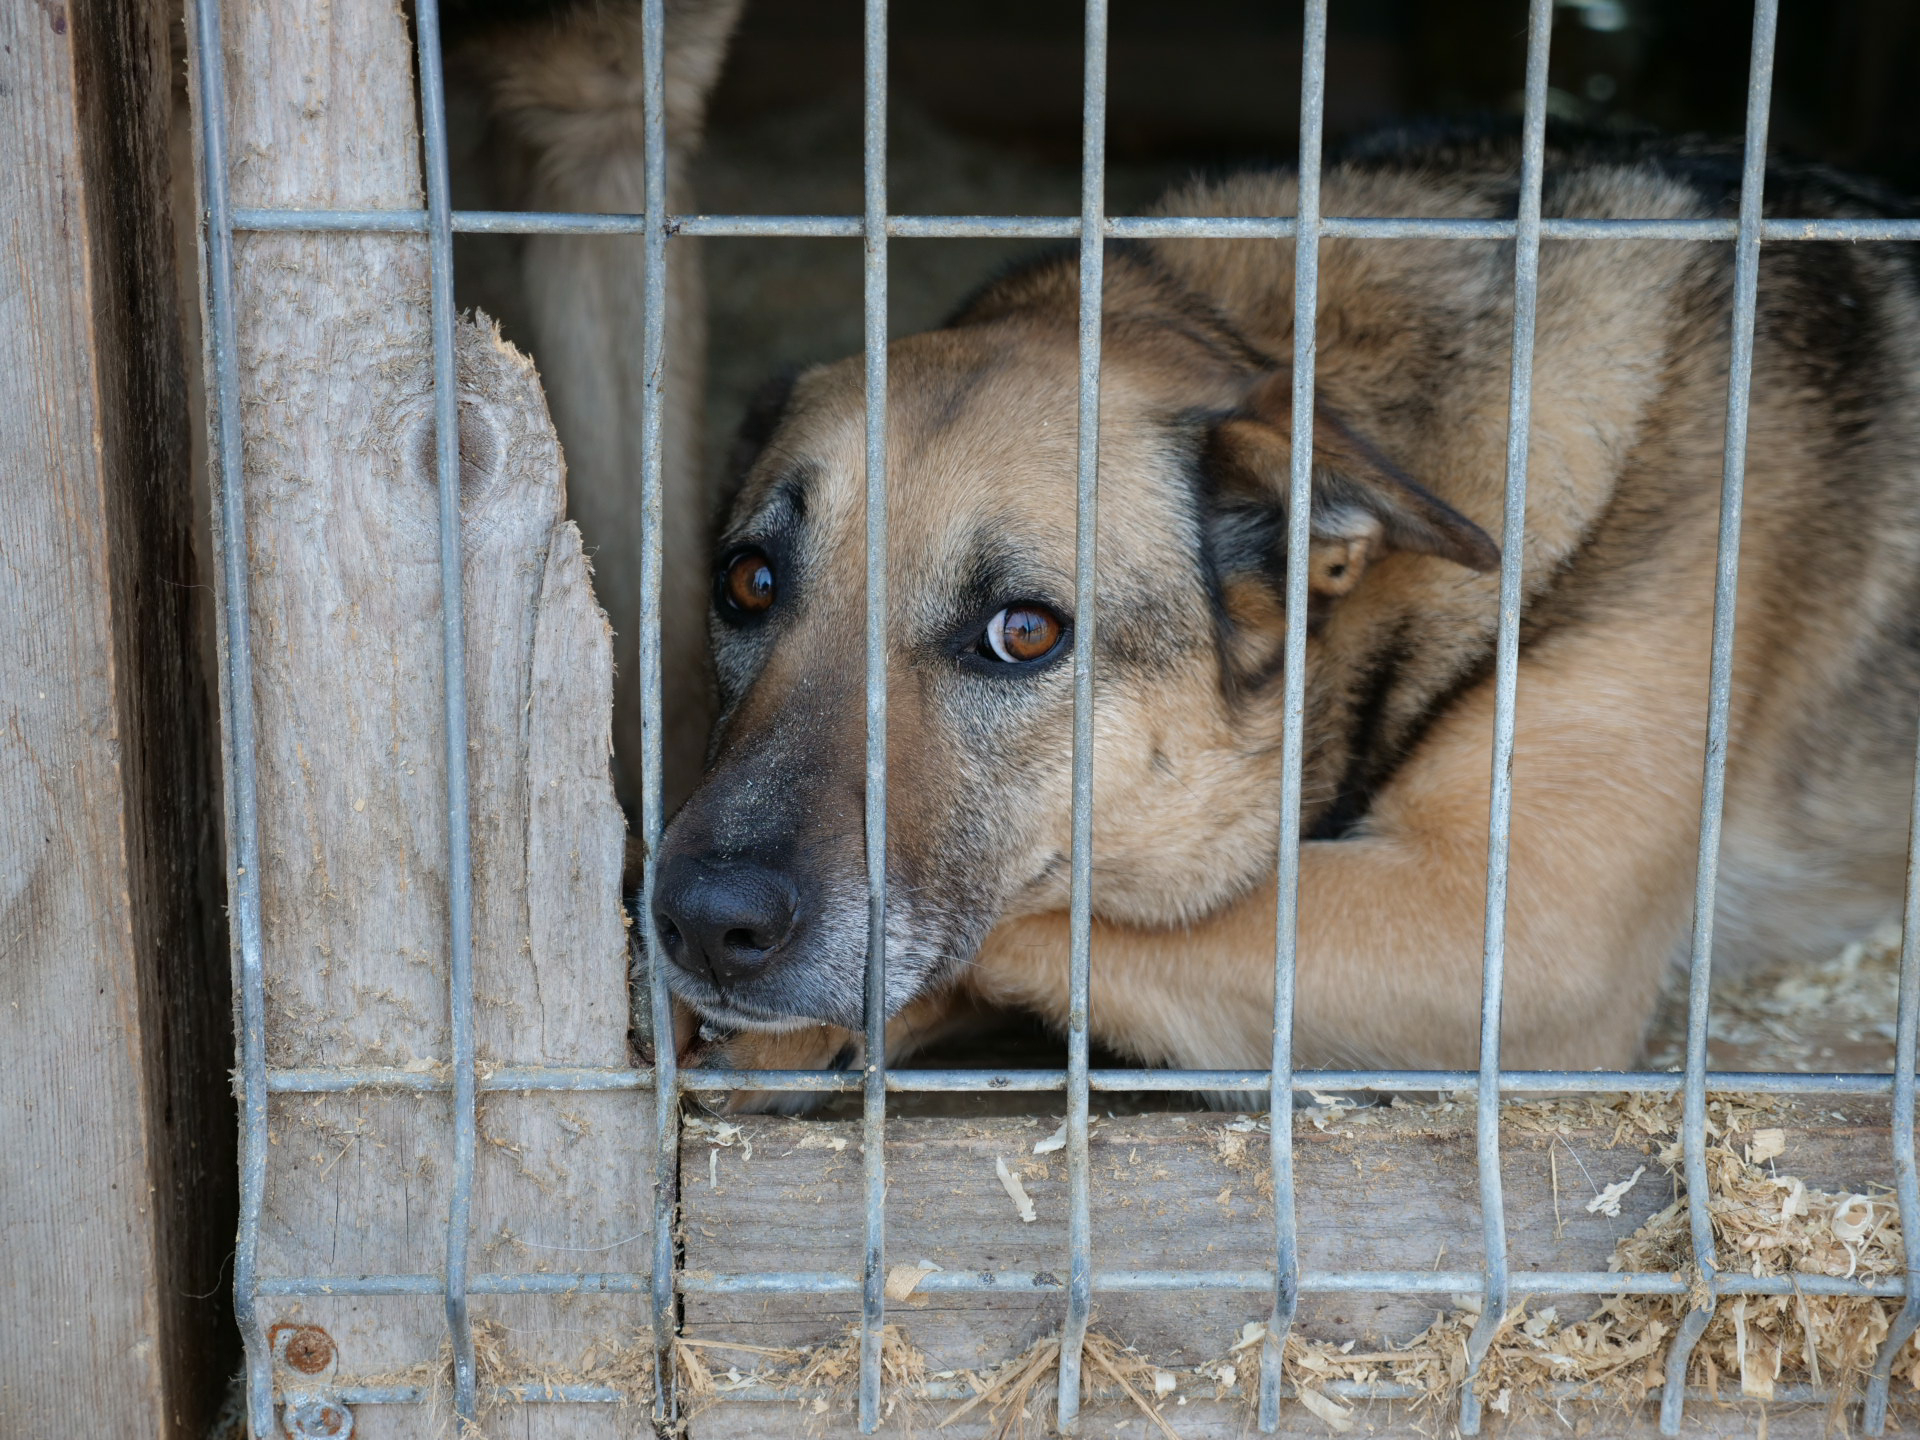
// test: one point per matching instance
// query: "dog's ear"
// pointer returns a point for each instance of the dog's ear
(766, 408)
(1363, 504)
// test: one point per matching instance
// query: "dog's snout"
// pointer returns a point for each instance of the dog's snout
(723, 920)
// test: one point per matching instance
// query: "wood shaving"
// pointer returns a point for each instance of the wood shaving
(1018, 1394)
(903, 1280)
(1607, 1202)
(1016, 1192)
(1337, 1416)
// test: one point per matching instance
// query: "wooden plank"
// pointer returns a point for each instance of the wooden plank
(1393, 1191)
(114, 988)
(345, 603)
(1205, 1418)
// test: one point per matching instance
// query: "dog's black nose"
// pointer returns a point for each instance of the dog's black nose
(722, 919)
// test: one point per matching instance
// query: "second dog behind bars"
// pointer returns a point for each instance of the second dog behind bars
(762, 897)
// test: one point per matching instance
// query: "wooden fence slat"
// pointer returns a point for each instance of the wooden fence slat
(342, 550)
(118, 1175)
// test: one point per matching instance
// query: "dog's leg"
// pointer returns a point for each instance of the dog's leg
(1604, 824)
(919, 1024)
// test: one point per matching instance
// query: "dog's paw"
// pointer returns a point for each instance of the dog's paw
(815, 1047)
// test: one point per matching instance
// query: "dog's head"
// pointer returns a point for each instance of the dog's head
(762, 899)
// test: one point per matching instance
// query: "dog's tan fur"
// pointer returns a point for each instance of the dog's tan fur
(1629, 406)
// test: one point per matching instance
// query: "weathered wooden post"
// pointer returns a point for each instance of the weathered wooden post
(344, 593)
(116, 1179)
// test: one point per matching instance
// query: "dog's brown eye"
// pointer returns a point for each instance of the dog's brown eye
(1022, 632)
(748, 583)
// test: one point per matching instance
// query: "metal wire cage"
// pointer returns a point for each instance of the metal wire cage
(1284, 1281)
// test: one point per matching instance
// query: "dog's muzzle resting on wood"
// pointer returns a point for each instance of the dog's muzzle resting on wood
(761, 894)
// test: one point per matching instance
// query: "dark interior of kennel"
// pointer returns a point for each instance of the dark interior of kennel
(985, 117)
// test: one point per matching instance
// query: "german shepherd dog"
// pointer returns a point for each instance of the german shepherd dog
(761, 900)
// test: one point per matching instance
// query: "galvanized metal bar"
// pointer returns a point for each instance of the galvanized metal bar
(1906, 1174)
(1322, 1282)
(532, 1391)
(1066, 227)
(535, 1391)
(1286, 929)
(1493, 954)
(453, 649)
(349, 222)
(653, 359)
(1726, 590)
(534, 1283)
(1780, 230)
(970, 1282)
(524, 1078)
(873, 1300)
(984, 227)
(1092, 232)
(240, 754)
(851, 227)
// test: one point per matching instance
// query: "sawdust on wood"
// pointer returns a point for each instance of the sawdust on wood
(626, 1368)
(1020, 1394)
(1766, 1222)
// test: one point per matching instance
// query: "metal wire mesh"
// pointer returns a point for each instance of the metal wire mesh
(1285, 1281)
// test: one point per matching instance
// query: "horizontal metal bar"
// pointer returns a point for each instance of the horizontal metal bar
(370, 222)
(542, 1283)
(1368, 1282)
(328, 1081)
(1776, 230)
(321, 1081)
(1339, 1389)
(1326, 1282)
(528, 1392)
(795, 226)
(535, 1392)
(1065, 227)
(983, 227)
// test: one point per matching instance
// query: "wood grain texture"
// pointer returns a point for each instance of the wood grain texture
(345, 603)
(112, 982)
(1204, 1418)
(1172, 1192)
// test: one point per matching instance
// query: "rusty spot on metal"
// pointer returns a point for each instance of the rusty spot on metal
(306, 1348)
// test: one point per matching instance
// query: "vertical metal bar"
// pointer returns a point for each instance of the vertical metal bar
(1726, 585)
(874, 1108)
(453, 646)
(1906, 1172)
(241, 778)
(1085, 626)
(1306, 307)
(1093, 163)
(1526, 291)
(666, 1069)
